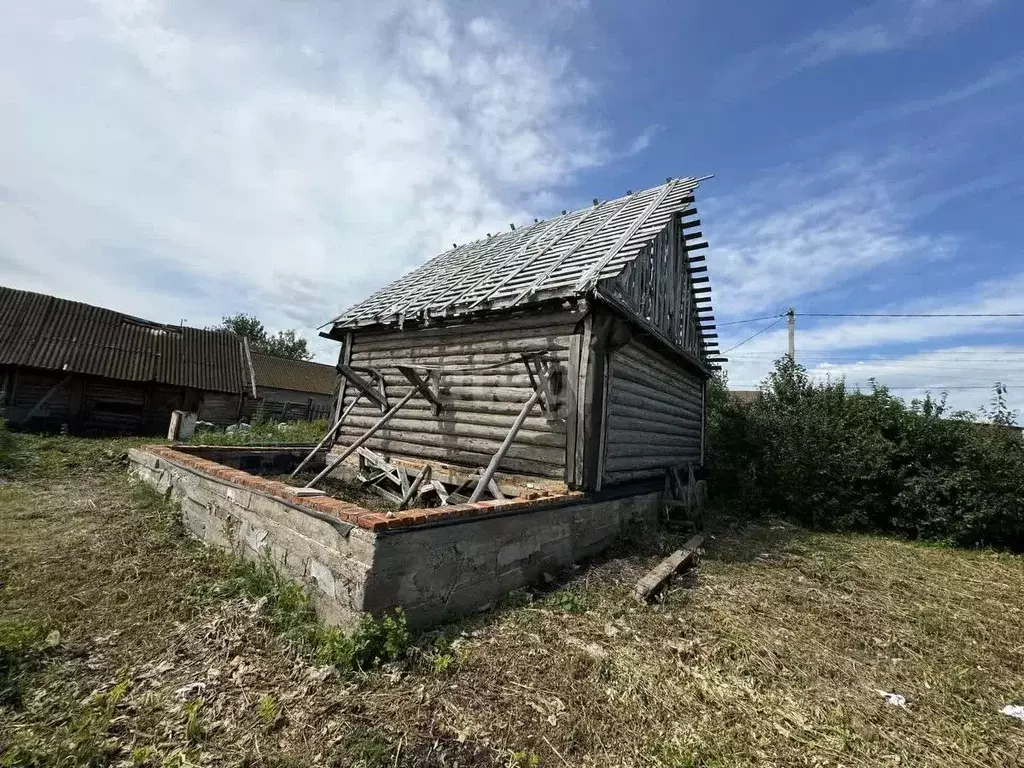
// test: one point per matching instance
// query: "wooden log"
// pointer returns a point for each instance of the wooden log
(416, 419)
(649, 431)
(536, 435)
(328, 437)
(506, 444)
(638, 463)
(424, 475)
(550, 450)
(361, 439)
(655, 579)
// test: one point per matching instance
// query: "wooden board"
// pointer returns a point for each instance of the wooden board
(655, 579)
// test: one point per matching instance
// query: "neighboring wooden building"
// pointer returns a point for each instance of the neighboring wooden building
(601, 317)
(91, 370)
(290, 390)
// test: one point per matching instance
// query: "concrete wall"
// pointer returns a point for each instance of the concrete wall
(331, 558)
(447, 561)
(437, 573)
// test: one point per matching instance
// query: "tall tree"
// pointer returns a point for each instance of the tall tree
(285, 343)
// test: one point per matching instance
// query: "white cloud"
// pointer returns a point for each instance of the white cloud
(963, 354)
(795, 232)
(883, 26)
(181, 159)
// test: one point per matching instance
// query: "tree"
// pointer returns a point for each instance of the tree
(285, 343)
(999, 412)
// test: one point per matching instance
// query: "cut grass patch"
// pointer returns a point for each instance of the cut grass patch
(773, 652)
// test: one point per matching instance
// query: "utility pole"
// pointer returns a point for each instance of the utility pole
(791, 322)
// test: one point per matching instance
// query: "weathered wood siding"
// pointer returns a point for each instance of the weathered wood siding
(659, 288)
(654, 416)
(287, 405)
(220, 407)
(479, 406)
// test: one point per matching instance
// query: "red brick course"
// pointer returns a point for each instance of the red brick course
(346, 511)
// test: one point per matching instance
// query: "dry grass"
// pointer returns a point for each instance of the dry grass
(770, 654)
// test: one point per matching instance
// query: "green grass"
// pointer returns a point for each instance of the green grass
(771, 653)
(266, 433)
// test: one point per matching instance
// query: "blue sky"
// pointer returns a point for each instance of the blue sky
(190, 159)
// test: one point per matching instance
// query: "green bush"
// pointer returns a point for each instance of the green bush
(867, 462)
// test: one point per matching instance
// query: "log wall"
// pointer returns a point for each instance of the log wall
(654, 414)
(479, 406)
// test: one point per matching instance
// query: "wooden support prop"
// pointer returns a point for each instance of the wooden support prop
(653, 581)
(492, 486)
(363, 438)
(424, 475)
(362, 385)
(492, 467)
(379, 462)
(540, 380)
(428, 394)
(43, 400)
(440, 490)
(328, 437)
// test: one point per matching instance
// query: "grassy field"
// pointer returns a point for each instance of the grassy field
(119, 645)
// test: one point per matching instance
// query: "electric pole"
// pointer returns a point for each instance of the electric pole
(791, 322)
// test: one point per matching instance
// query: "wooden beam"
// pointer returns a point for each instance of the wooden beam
(362, 385)
(428, 394)
(655, 579)
(423, 476)
(695, 270)
(492, 467)
(362, 438)
(329, 436)
(690, 224)
(696, 259)
(697, 246)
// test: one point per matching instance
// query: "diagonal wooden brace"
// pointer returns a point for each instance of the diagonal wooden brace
(365, 388)
(540, 380)
(429, 394)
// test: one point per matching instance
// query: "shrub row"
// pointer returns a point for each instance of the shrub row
(830, 459)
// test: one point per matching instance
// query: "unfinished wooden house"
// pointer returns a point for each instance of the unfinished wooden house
(569, 354)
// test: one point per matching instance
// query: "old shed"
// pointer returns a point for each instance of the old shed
(290, 390)
(94, 370)
(572, 353)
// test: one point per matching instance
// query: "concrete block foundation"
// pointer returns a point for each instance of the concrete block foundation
(435, 563)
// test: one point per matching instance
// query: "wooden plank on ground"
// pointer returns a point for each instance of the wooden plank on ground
(656, 577)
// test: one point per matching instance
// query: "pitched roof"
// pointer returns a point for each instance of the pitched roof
(297, 375)
(561, 257)
(43, 331)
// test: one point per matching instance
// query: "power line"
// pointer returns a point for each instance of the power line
(754, 336)
(748, 320)
(910, 314)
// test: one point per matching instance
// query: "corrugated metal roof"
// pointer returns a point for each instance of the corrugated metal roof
(298, 375)
(41, 331)
(561, 257)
